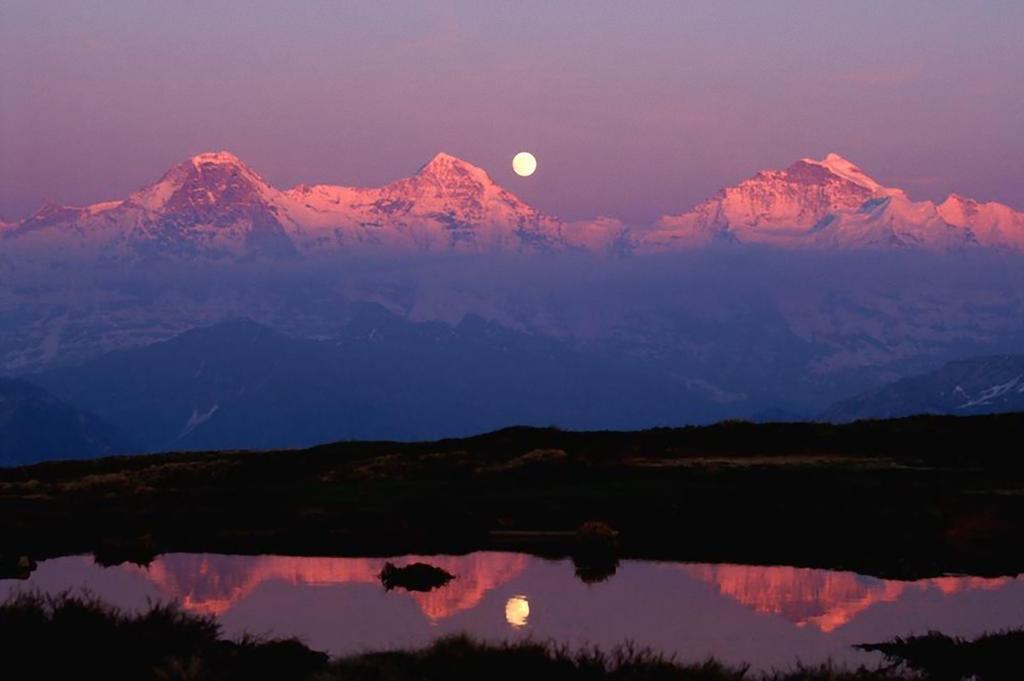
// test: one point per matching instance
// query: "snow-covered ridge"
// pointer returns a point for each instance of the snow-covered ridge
(833, 204)
(449, 204)
(993, 224)
(839, 166)
(213, 206)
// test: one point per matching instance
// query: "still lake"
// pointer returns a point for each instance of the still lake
(768, 616)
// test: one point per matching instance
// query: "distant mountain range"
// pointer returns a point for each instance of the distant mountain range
(214, 207)
(239, 384)
(242, 385)
(36, 426)
(982, 385)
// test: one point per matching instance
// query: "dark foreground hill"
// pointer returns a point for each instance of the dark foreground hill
(904, 498)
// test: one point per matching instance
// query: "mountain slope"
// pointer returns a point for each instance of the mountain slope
(35, 426)
(982, 385)
(243, 385)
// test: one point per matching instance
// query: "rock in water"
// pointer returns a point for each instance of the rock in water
(414, 577)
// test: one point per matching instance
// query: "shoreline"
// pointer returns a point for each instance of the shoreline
(162, 641)
(905, 498)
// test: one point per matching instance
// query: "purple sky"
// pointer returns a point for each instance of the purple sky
(633, 109)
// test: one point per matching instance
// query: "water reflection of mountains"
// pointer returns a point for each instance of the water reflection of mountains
(213, 584)
(826, 600)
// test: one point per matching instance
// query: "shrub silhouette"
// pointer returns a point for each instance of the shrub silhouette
(77, 636)
(595, 551)
(992, 657)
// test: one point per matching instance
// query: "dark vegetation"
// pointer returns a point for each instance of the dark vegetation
(462, 659)
(903, 498)
(938, 657)
(78, 637)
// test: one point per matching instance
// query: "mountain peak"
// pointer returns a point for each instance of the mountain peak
(446, 164)
(212, 177)
(845, 169)
(834, 158)
(219, 157)
(444, 157)
(955, 198)
(451, 176)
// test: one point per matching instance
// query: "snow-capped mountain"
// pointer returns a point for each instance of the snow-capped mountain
(213, 206)
(833, 204)
(993, 224)
(448, 205)
(773, 206)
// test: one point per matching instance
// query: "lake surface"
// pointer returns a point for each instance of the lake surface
(767, 616)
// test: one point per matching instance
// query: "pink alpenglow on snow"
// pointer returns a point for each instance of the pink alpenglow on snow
(214, 206)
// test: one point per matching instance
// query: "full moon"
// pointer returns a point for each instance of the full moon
(517, 611)
(524, 164)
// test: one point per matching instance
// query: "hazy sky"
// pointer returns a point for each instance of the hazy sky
(633, 109)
